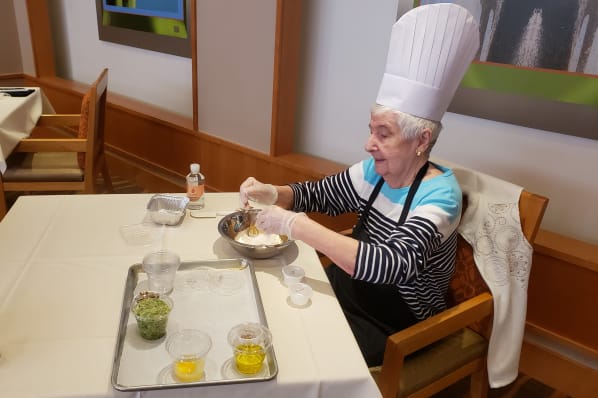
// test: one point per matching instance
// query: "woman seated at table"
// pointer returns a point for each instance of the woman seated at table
(395, 268)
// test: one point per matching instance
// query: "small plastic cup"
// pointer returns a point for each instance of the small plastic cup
(300, 293)
(188, 349)
(250, 343)
(292, 274)
(161, 268)
(151, 311)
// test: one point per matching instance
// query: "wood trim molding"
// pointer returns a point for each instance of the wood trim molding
(542, 336)
(41, 37)
(567, 249)
(194, 64)
(549, 366)
(286, 75)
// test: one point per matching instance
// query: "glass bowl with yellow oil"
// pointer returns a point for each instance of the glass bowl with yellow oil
(250, 343)
(188, 349)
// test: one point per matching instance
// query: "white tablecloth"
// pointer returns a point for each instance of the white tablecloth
(62, 277)
(18, 116)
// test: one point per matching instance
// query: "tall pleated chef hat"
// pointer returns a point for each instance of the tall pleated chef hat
(430, 49)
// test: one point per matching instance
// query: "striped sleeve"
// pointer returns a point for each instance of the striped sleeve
(332, 195)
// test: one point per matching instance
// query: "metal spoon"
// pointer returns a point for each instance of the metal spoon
(252, 230)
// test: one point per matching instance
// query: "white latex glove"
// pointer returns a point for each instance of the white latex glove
(252, 189)
(276, 220)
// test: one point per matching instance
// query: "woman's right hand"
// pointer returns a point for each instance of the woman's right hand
(252, 189)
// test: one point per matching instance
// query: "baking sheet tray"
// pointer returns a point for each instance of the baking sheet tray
(212, 296)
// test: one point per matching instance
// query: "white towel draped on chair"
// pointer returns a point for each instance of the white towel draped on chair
(491, 224)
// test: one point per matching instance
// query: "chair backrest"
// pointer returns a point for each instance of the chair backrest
(91, 126)
(467, 281)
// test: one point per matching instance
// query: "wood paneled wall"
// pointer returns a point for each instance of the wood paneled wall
(563, 289)
(560, 347)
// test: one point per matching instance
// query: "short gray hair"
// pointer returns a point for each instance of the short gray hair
(411, 126)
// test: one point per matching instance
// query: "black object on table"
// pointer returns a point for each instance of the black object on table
(19, 92)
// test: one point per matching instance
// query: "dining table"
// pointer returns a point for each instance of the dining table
(20, 108)
(64, 262)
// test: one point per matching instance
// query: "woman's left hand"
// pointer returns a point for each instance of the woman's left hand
(276, 220)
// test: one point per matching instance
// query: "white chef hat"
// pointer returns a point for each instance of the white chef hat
(430, 49)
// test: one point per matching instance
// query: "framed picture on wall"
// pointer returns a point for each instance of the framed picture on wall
(537, 65)
(157, 25)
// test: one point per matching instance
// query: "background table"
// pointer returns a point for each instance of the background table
(18, 116)
(64, 265)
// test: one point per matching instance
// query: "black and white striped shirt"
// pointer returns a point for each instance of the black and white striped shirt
(418, 256)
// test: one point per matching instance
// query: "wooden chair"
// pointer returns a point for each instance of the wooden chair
(62, 164)
(435, 353)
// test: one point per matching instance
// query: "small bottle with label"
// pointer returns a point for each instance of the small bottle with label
(195, 188)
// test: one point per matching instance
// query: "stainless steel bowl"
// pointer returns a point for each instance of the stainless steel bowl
(231, 224)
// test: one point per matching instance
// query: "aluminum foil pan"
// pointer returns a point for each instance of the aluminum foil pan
(166, 209)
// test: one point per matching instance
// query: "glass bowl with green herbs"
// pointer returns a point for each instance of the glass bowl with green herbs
(151, 311)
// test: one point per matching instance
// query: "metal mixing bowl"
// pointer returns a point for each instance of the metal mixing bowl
(231, 224)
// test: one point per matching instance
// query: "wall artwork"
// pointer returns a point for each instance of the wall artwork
(157, 25)
(537, 65)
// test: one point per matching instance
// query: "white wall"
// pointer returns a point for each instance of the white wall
(561, 167)
(235, 67)
(8, 27)
(346, 43)
(344, 52)
(156, 78)
(24, 38)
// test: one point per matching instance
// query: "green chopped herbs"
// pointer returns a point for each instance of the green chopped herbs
(152, 317)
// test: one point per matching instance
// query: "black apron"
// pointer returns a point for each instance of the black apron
(374, 311)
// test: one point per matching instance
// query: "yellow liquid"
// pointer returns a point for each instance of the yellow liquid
(187, 370)
(249, 358)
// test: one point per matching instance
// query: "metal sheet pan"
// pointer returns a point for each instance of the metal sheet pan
(212, 296)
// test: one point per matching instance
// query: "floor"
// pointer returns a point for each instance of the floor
(523, 387)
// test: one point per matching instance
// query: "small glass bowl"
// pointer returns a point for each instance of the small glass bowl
(250, 343)
(161, 268)
(151, 320)
(300, 293)
(188, 349)
(292, 274)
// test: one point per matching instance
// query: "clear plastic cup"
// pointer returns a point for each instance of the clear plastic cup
(151, 311)
(300, 293)
(292, 274)
(250, 343)
(161, 268)
(188, 350)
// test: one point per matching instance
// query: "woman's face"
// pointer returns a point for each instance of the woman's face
(393, 154)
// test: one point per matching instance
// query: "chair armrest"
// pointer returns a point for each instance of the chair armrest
(51, 145)
(441, 325)
(346, 232)
(58, 120)
(428, 331)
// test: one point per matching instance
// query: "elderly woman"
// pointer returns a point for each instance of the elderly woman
(395, 268)
(391, 272)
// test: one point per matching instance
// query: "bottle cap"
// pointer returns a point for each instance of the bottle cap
(194, 168)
